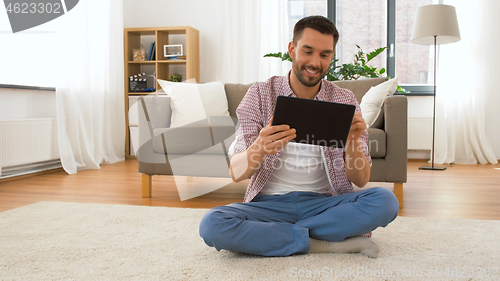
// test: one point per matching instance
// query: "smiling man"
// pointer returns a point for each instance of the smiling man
(300, 197)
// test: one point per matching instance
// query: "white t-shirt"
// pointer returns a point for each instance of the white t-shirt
(300, 167)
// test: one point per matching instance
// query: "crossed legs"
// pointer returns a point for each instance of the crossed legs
(283, 225)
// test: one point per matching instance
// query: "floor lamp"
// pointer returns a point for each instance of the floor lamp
(435, 25)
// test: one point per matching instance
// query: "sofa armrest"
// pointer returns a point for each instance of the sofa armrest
(396, 128)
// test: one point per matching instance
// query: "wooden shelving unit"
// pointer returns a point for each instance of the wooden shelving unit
(134, 38)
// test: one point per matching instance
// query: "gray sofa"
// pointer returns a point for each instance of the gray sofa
(200, 150)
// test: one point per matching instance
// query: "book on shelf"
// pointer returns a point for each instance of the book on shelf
(151, 50)
(153, 56)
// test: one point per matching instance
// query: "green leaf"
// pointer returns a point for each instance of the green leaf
(331, 77)
(375, 53)
(286, 56)
(283, 57)
(402, 90)
(274, 55)
(359, 69)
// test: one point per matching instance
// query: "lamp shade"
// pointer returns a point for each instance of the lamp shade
(435, 20)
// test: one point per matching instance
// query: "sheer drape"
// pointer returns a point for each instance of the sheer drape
(460, 109)
(274, 38)
(251, 29)
(90, 103)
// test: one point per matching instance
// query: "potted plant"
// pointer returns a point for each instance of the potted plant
(176, 77)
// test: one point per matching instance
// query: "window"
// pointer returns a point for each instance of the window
(363, 24)
(414, 63)
(372, 24)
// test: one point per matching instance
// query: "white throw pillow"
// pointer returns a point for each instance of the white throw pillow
(372, 101)
(193, 102)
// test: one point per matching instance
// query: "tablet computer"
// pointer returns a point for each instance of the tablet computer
(316, 122)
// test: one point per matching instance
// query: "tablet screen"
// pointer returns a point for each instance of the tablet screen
(316, 122)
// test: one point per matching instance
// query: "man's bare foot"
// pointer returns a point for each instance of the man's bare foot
(358, 244)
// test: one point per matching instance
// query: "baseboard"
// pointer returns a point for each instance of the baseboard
(31, 175)
(30, 169)
(419, 154)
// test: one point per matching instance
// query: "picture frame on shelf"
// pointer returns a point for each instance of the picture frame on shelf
(172, 50)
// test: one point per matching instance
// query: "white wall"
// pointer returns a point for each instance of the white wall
(205, 16)
(420, 127)
(23, 104)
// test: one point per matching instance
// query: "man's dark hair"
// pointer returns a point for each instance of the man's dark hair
(318, 23)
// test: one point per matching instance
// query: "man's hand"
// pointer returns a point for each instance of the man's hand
(358, 126)
(271, 139)
(357, 167)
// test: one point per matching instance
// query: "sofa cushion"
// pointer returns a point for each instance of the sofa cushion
(195, 137)
(194, 102)
(377, 143)
(372, 101)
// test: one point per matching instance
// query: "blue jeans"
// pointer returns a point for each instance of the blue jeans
(281, 225)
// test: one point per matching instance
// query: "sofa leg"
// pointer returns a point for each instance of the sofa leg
(398, 191)
(146, 186)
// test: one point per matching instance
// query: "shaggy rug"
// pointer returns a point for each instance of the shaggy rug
(53, 240)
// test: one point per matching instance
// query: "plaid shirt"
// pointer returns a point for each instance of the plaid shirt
(255, 112)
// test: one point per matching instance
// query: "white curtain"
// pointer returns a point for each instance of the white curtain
(460, 111)
(90, 103)
(251, 29)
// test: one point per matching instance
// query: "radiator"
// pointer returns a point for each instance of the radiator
(27, 142)
(419, 133)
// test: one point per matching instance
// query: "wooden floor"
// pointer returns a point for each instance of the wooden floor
(462, 191)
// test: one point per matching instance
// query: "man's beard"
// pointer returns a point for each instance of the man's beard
(306, 80)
